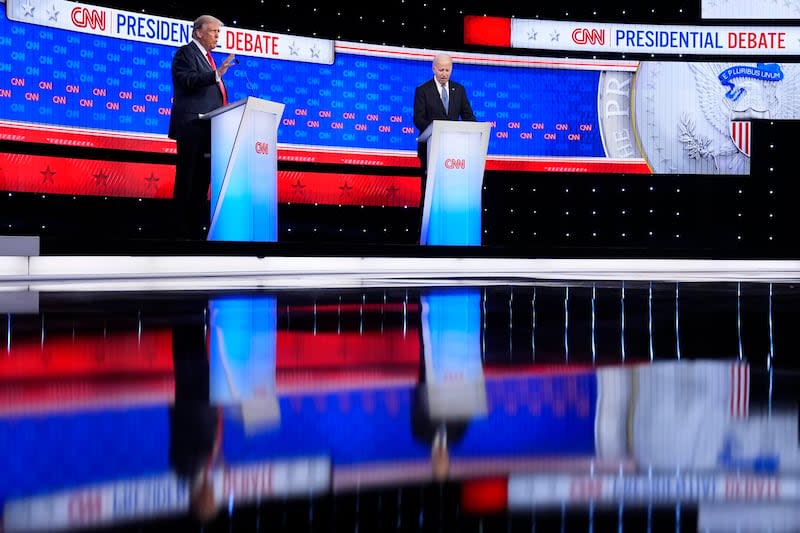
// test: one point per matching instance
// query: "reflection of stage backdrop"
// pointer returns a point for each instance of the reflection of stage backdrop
(528, 416)
(706, 415)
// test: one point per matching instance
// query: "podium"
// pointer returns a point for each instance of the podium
(452, 203)
(244, 169)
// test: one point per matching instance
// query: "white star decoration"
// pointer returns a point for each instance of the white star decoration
(52, 13)
(28, 7)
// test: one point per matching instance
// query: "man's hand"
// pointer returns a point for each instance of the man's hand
(223, 68)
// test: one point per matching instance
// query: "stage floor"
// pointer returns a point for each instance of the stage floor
(432, 391)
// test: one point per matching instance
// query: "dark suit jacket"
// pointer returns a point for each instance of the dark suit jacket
(195, 91)
(428, 107)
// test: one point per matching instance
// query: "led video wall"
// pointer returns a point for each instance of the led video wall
(91, 77)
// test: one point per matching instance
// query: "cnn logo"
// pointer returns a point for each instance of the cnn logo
(262, 148)
(588, 36)
(455, 164)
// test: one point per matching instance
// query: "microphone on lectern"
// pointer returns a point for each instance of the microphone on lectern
(250, 86)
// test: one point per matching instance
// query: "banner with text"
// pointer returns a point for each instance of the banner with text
(577, 36)
(151, 29)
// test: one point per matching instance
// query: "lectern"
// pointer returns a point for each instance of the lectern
(244, 169)
(452, 203)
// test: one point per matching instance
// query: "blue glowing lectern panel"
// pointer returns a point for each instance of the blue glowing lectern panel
(244, 168)
(452, 202)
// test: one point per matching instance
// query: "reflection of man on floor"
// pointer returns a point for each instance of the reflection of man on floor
(195, 424)
(451, 389)
(437, 432)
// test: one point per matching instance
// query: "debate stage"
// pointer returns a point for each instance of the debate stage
(35, 262)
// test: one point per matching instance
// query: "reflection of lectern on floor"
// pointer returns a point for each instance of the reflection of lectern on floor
(451, 337)
(242, 358)
(452, 203)
(244, 168)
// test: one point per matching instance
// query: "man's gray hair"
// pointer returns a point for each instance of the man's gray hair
(202, 20)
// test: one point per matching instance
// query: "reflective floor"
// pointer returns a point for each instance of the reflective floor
(511, 407)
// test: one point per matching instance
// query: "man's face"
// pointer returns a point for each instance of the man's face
(208, 35)
(442, 70)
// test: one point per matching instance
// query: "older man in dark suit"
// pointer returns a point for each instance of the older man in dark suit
(439, 98)
(198, 88)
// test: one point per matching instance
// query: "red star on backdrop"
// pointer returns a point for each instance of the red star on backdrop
(47, 175)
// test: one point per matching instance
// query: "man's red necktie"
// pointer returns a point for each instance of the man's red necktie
(221, 85)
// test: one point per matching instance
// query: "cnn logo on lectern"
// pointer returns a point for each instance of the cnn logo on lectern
(455, 164)
(262, 148)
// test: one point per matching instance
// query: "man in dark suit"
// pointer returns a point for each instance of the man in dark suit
(198, 88)
(439, 98)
